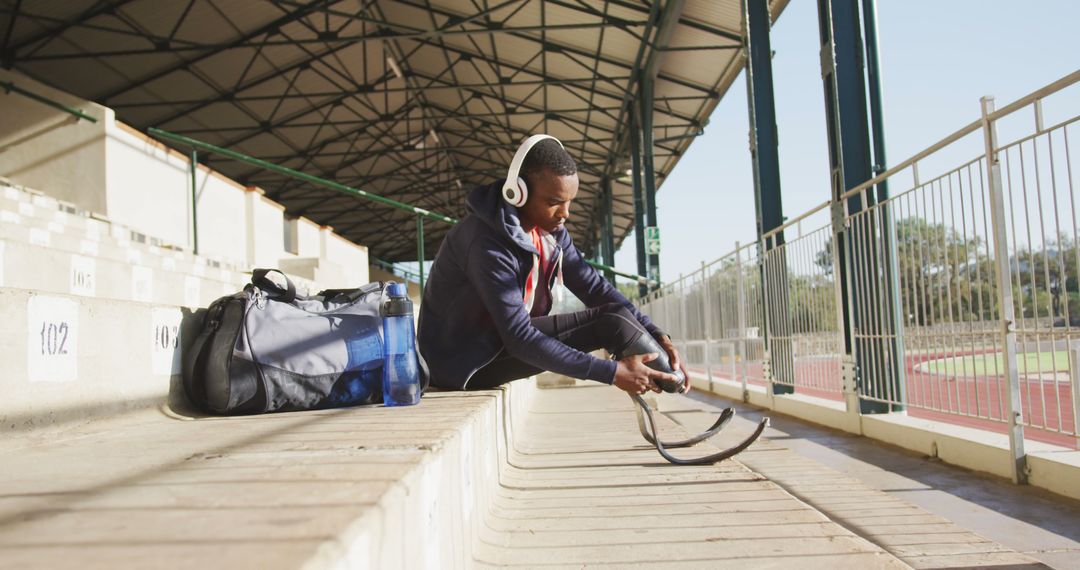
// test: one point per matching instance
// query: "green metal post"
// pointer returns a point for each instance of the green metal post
(639, 203)
(194, 202)
(646, 102)
(420, 249)
(12, 88)
(607, 233)
(850, 165)
(893, 306)
(765, 154)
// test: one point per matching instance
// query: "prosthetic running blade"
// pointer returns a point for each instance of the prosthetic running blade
(725, 416)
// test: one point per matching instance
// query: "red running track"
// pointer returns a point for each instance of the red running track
(970, 401)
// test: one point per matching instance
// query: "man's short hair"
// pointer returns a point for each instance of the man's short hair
(547, 155)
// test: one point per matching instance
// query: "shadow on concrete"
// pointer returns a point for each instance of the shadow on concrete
(1030, 505)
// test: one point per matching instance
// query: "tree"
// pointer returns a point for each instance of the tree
(1046, 280)
(943, 275)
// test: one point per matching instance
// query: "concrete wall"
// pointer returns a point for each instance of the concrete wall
(148, 186)
(1050, 467)
(265, 226)
(222, 216)
(308, 238)
(352, 259)
(62, 355)
(46, 148)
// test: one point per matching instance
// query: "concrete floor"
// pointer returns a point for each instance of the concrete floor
(1027, 520)
(583, 489)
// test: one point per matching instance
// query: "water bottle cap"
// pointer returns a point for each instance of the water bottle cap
(395, 290)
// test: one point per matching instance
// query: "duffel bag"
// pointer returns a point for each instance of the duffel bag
(268, 349)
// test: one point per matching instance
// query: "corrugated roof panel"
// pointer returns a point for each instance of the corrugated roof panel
(723, 15)
(52, 13)
(204, 23)
(686, 35)
(347, 114)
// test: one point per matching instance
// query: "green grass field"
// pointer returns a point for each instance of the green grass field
(1028, 363)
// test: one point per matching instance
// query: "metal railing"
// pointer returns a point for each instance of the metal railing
(963, 299)
(10, 87)
(395, 269)
(421, 213)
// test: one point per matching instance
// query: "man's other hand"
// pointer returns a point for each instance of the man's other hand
(633, 376)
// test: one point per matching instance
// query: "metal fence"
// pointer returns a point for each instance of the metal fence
(955, 298)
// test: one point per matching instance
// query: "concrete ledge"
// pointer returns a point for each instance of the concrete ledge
(71, 358)
(829, 413)
(33, 225)
(755, 395)
(58, 271)
(436, 511)
(1056, 471)
(367, 487)
(1049, 467)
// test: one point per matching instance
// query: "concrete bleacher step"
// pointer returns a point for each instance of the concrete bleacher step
(369, 487)
(19, 205)
(108, 241)
(48, 246)
(483, 479)
(51, 270)
(511, 477)
(79, 231)
(69, 358)
(583, 488)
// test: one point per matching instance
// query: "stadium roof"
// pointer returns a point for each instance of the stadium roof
(417, 100)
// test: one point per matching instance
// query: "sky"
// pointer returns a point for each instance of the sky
(938, 57)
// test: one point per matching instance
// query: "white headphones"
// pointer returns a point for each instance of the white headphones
(514, 189)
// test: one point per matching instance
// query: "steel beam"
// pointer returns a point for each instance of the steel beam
(52, 33)
(893, 318)
(648, 171)
(768, 205)
(290, 16)
(194, 202)
(639, 203)
(850, 163)
(420, 250)
(337, 39)
(373, 90)
(607, 233)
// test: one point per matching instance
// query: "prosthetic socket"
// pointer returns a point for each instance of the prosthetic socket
(645, 344)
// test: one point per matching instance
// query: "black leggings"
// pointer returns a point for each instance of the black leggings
(611, 327)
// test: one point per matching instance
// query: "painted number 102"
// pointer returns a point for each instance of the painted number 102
(54, 338)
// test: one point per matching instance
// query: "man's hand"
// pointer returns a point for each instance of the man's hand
(633, 376)
(673, 358)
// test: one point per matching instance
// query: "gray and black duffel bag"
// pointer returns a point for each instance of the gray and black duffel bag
(267, 349)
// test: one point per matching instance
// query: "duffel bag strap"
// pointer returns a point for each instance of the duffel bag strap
(351, 294)
(194, 356)
(273, 290)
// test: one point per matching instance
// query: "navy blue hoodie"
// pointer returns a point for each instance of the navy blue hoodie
(473, 303)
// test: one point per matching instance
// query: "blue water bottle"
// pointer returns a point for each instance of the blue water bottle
(401, 372)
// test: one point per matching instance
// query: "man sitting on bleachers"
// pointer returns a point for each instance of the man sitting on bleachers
(484, 317)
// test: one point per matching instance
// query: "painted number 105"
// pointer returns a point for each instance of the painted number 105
(54, 338)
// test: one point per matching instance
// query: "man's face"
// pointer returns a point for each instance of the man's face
(548, 205)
